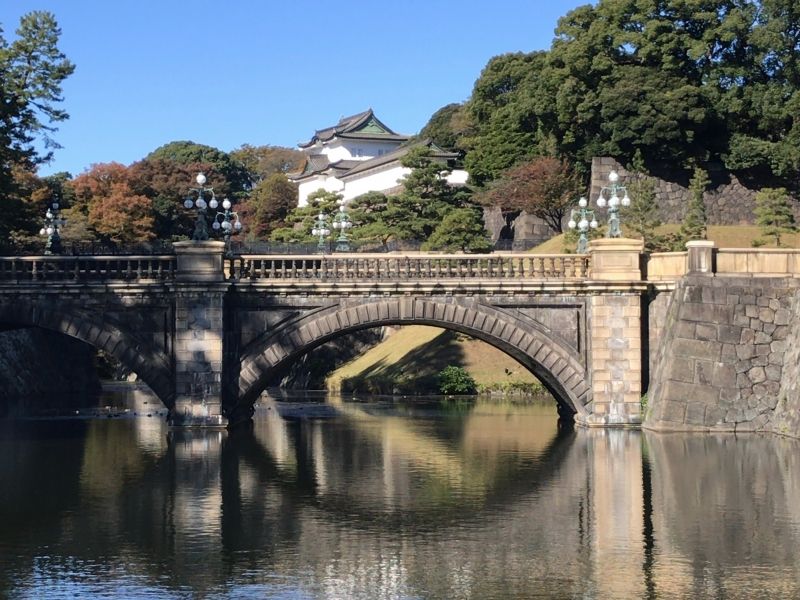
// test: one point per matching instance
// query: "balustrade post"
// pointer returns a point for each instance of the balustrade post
(701, 257)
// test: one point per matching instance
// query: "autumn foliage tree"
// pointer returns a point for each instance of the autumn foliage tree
(114, 211)
(545, 187)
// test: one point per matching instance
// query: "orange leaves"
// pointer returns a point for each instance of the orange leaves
(115, 211)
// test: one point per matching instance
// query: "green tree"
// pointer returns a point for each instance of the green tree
(426, 197)
(261, 162)
(269, 205)
(446, 127)
(302, 219)
(462, 230)
(694, 223)
(641, 215)
(682, 82)
(371, 218)
(166, 183)
(774, 213)
(234, 181)
(32, 70)
(504, 121)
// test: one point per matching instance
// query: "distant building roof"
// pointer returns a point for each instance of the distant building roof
(364, 125)
(342, 169)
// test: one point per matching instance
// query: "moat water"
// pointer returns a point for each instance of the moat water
(389, 500)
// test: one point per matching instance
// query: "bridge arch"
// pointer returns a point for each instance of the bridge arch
(151, 365)
(559, 367)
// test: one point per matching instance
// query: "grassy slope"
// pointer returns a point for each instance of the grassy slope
(726, 236)
(409, 361)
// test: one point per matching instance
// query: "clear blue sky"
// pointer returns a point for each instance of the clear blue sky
(259, 72)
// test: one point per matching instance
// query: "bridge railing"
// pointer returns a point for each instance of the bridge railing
(86, 268)
(408, 267)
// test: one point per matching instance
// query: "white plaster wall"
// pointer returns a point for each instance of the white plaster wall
(355, 149)
(304, 189)
(458, 177)
(374, 181)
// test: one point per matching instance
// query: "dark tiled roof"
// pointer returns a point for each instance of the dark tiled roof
(350, 125)
(392, 137)
(318, 163)
(315, 163)
(342, 169)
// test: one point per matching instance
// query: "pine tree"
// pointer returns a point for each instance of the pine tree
(774, 213)
(641, 216)
(694, 224)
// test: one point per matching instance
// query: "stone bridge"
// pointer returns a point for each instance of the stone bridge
(206, 331)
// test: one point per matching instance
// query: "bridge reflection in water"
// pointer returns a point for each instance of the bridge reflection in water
(385, 500)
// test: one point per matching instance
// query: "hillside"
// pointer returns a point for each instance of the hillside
(409, 361)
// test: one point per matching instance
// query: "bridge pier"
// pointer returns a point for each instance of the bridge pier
(199, 301)
(615, 322)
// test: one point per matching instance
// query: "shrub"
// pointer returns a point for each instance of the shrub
(456, 381)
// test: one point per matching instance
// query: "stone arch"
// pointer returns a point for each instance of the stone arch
(559, 367)
(151, 365)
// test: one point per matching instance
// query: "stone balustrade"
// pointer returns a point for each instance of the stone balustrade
(86, 268)
(372, 267)
(666, 266)
(758, 262)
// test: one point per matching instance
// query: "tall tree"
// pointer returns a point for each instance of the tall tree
(113, 210)
(425, 199)
(694, 224)
(640, 216)
(774, 213)
(461, 230)
(261, 162)
(683, 82)
(372, 221)
(446, 127)
(302, 219)
(269, 205)
(166, 183)
(32, 70)
(234, 181)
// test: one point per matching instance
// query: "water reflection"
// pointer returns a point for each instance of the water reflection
(385, 500)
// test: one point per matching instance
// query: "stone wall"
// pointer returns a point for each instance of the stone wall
(654, 317)
(41, 370)
(786, 420)
(728, 201)
(525, 231)
(721, 360)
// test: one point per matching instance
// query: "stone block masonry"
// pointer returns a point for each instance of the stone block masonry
(722, 362)
(198, 355)
(616, 359)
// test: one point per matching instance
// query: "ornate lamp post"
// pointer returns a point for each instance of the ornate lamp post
(342, 222)
(228, 221)
(583, 219)
(52, 222)
(200, 232)
(321, 230)
(613, 190)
